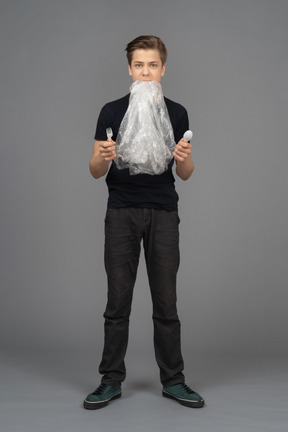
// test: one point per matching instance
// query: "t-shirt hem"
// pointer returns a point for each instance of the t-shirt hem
(144, 205)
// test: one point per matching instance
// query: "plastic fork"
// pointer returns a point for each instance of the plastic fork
(109, 133)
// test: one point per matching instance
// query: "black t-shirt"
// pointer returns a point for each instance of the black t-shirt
(141, 190)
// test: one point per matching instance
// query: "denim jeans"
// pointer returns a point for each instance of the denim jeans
(125, 229)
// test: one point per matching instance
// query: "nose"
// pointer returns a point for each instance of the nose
(145, 71)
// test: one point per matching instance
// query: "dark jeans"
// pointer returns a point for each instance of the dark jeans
(124, 230)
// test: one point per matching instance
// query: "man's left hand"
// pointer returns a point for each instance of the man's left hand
(182, 150)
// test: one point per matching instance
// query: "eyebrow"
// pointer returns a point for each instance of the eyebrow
(153, 61)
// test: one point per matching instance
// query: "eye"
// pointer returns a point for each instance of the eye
(154, 65)
(138, 65)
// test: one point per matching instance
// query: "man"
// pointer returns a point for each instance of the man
(141, 207)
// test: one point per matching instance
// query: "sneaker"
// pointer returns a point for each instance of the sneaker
(184, 395)
(101, 396)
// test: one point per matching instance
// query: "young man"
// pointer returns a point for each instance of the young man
(141, 207)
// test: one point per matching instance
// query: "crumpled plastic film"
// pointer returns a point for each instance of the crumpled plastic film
(145, 140)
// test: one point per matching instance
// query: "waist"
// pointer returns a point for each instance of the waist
(163, 196)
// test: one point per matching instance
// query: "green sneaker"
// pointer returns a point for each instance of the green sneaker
(101, 396)
(184, 395)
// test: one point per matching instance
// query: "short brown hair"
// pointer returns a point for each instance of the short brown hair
(146, 42)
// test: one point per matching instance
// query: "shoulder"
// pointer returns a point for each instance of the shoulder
(114, 109)
(117, 104)
(177, 113)
(175, 107)
(111, 115)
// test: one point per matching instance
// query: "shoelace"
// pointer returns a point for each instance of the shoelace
(100, 389)
(187, 388)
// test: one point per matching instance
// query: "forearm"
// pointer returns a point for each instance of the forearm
(98, 166)
(182, 155)
(185, 169)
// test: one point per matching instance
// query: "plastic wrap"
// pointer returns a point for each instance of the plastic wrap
(145, 141)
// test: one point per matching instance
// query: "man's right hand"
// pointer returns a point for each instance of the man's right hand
(107, 150)
(103, 153)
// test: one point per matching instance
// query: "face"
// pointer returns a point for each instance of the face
(146, 65)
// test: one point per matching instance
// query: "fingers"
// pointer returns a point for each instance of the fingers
(107, 150)
(182, 150)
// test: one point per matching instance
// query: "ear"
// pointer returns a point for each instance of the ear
(163, 70)
(129, 70)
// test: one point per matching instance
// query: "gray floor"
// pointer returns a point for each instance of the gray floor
(44, 392)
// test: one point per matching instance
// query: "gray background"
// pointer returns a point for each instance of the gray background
(227, 64)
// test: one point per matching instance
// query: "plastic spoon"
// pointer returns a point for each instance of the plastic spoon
(188, 135)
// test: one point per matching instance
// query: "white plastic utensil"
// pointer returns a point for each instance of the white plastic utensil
(188, 135)
(109, 133)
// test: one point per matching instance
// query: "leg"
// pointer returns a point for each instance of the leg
(161, 243)
(122, 250)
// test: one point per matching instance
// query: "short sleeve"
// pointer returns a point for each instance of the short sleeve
(103, 123)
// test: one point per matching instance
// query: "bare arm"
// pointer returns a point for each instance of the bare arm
(182, 155)
(103, 153)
